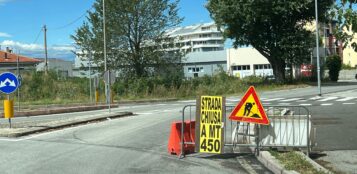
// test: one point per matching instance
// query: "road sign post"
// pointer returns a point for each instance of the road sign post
(209, 124)
(8, 84)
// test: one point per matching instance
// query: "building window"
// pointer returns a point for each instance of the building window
(195, 69)
(205, 28)
(241, 67)
(263, 66)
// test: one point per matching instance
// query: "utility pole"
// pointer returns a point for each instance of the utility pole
(90, 75)
(317, 50)
(19, 78)
(107, 87)
(45, 42)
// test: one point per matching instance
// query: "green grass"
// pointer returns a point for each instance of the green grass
(293, 161)
(40, 89)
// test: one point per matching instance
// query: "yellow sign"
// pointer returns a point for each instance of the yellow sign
(210, 124)
(250, 109)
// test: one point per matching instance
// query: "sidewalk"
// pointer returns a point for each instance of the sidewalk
(29, 125)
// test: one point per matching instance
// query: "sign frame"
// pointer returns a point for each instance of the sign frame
(15, 80)
(198, 125)
(264, 118)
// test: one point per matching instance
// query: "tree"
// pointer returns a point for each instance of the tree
(334, 65)
(276, 28)
(135, 30)
(346, 20)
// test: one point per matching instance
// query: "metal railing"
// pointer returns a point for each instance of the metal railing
(289, 128)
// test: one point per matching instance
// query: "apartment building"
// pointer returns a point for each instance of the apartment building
(204, 48)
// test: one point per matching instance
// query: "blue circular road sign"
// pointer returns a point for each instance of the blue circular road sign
(8, 82)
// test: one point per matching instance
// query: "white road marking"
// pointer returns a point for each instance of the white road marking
(284, 103)
(187, 101)
(315, 98)
(305, 104)
(161, 104)
(346, 99)
(348, 103)
(328, 98)
(291, 99)
(302, 101)
(233, 100)
(326, 104)
(144, 113)
(273, 99)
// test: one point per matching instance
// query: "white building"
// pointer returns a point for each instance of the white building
(204, 48)
(244, 62)
(202, 43)
(198, 38)
(81, 66)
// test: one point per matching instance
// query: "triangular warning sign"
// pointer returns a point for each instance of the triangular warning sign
(250, 109)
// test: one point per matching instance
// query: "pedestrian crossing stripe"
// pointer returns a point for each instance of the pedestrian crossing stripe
(250, 109)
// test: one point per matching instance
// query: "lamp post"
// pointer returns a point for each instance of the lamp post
(317, 50)
(107, 92)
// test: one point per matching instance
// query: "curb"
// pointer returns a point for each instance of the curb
(60, 110)
(147, 101)
(273, 164)
(79, 108)
(63, 125)
(276, 167)
(317, 166)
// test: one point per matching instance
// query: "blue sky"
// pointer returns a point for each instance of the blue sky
(22, 20)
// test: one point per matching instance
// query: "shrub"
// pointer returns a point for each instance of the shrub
(334, 65)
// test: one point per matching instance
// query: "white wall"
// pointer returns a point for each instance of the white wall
(246, 56)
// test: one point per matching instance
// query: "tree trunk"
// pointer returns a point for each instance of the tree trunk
(279, 70)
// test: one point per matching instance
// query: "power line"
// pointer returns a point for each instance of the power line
(72, 22)
(38, 35)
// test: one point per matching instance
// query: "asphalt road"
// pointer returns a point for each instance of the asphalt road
(138, 144)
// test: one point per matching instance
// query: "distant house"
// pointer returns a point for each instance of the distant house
(10, 61)
(63, 68)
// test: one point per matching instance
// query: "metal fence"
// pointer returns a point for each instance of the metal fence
(289, 128)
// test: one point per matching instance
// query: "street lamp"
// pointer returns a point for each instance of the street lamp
(107, 92)
(317, 50)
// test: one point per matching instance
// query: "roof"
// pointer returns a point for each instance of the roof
(6, 57)
(192, 29)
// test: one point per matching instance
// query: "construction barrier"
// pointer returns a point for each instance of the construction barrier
(174, 144)
(290, 128)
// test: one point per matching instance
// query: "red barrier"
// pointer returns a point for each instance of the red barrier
(174, 145)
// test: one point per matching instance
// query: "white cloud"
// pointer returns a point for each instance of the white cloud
(21, 46)
(37, 50)
(4, 34)
(63, 47)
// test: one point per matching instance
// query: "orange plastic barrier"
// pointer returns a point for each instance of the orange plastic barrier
(174, 145)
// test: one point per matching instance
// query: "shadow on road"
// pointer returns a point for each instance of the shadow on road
(334, 83)
(227, 155)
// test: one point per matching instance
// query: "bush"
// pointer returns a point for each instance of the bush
(334, 64)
